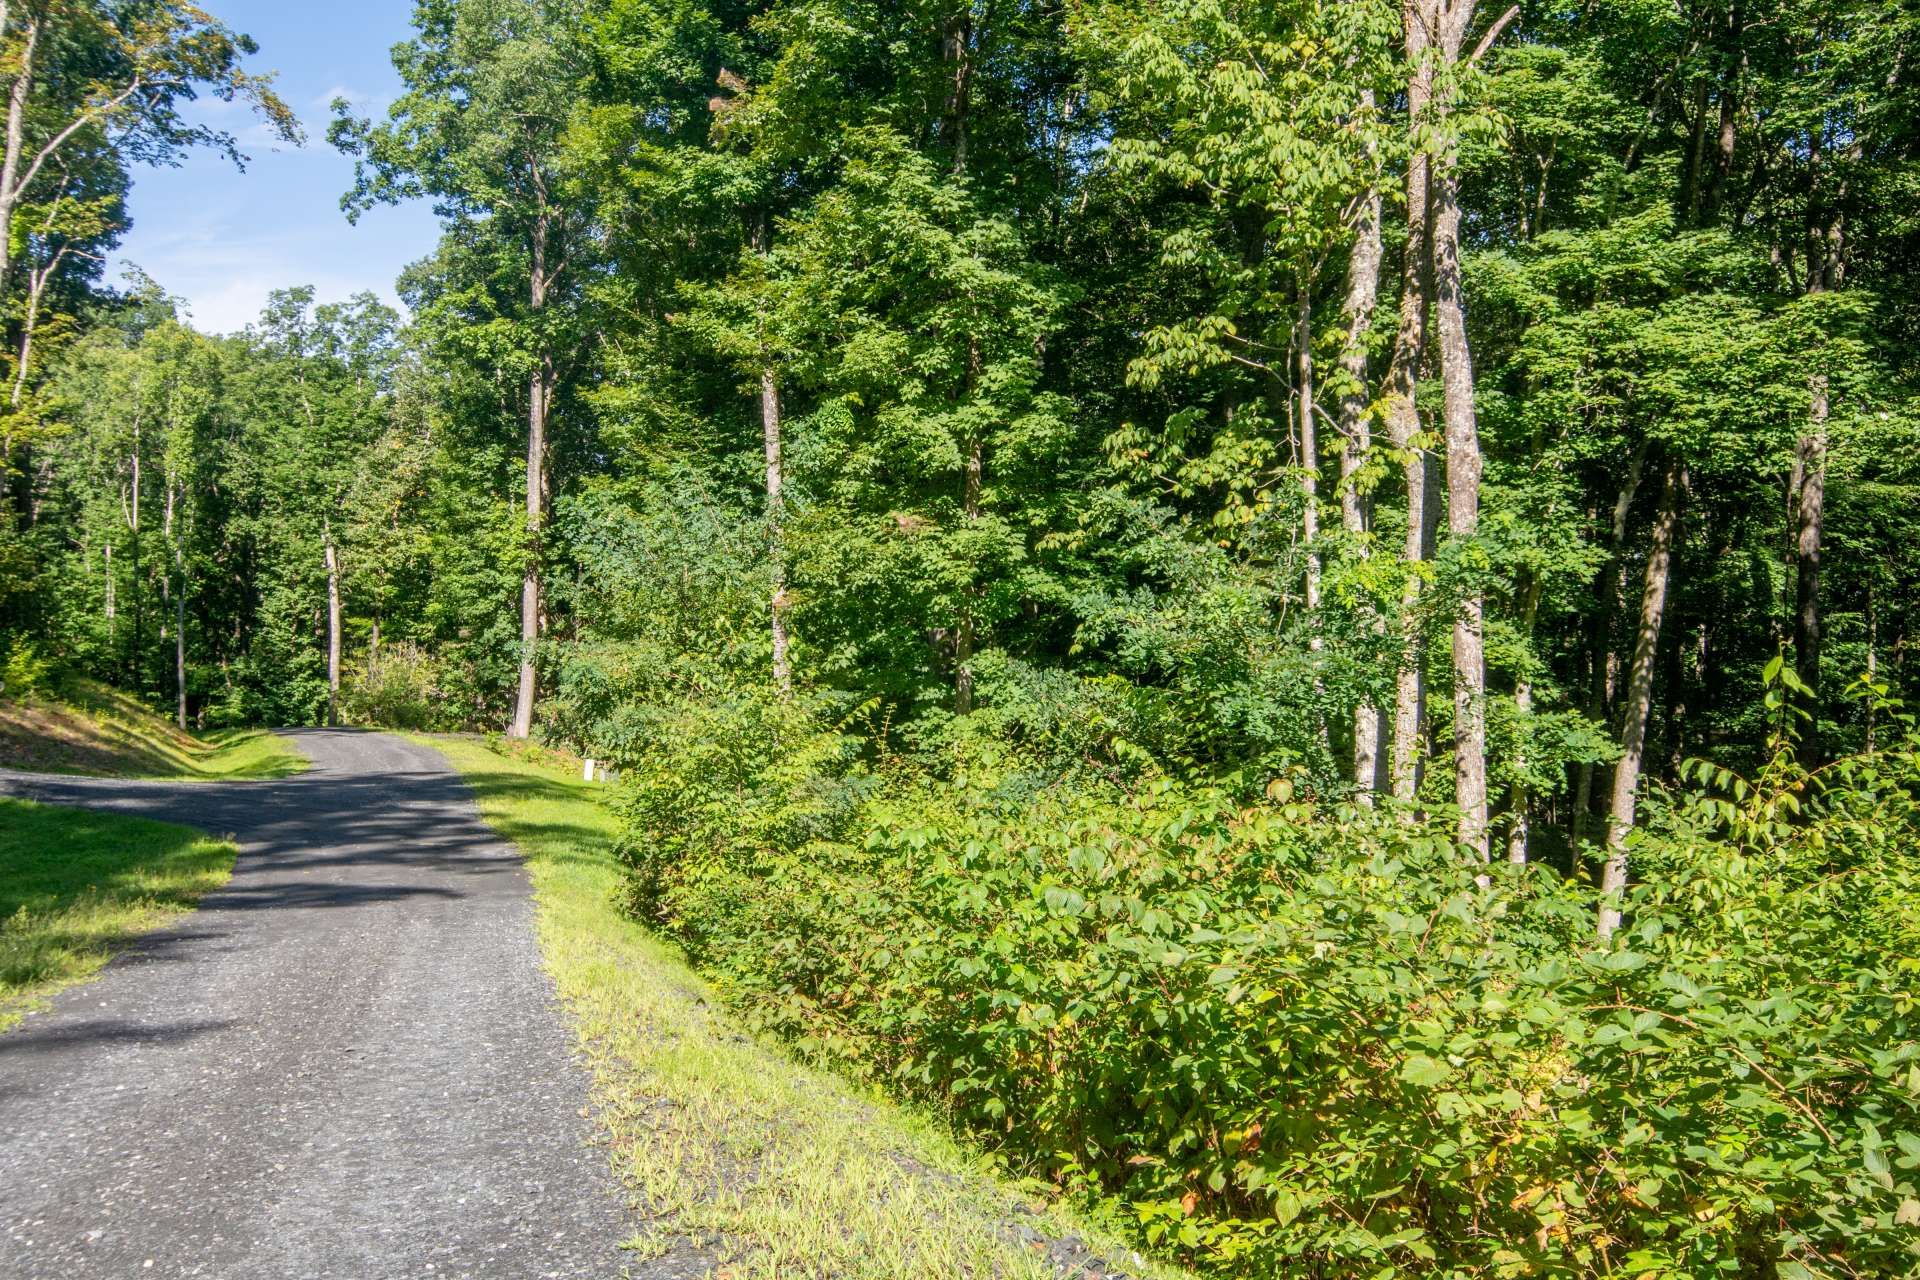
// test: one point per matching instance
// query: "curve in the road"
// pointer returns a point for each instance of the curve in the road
(348, 1063)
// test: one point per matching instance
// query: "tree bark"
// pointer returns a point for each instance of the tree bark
(957, 49)
(1309, 460)
(1403, 419)
(180, 654)
(964, 634)
(1607, 588)
(1639, 699)
(333, 627)
(18, 94)
(1520, 831)
(1356, 442)
(1463, 473)
(771, 440)
(179, 603)
(1811, 463)
(776, 540)
(539, 391)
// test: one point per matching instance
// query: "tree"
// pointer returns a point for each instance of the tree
(76, 70)
(490, 87)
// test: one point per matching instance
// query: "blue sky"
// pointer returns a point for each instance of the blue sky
(221, 239)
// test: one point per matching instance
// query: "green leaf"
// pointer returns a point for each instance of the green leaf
(1421, 1070)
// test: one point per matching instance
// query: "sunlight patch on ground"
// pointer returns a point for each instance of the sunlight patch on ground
(77, 886)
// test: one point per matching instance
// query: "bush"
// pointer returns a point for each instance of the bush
(24, 669)
(1285, 1040)
(401, 691)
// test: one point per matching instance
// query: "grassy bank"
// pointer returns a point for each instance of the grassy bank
(735, 1149)
(91, 729)
(75, 886)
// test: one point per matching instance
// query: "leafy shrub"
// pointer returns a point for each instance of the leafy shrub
(24, 669)
(1284, 1039)
(400, 691)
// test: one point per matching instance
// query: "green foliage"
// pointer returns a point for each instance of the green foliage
(398, 689)
(1282, 1037)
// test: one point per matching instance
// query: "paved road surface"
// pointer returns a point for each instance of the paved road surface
(347, 1064)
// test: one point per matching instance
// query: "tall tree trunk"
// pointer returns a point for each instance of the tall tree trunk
(180, 653)
(179, 604)
(133, 548)
(1607, 588)
(1356, 442)
(776, 536)
(964, 636)
(539, 392)
(37, 282)
(1520, 831)
(1309, 460)
(1463, 485)
(333, 627)
(1403, 419)
(1639, 699)
(771, 441)
(1811, 463)
(19, 92)
(957, 49)
(1873, 665)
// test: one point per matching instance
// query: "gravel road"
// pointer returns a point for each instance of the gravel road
(347, 1064)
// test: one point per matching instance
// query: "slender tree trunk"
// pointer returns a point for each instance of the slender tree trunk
(1463, 507)
(373, 650)
(776, 537)
(1607, 588)
(957, 49)
(29, 325)
(1356, 442)
(1520, 831)
(180, 654)
(539, 391)
(1309, 460)
(770, 432)
(19, 92)
(1873, 665)
(179, 606)
(964, 636)
(1811, 463)
(1403, 420)
(333, 627)
(133, 548)
(1639, 699)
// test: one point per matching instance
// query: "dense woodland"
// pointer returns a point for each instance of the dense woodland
(1295, 611)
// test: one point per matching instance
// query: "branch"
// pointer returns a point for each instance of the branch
(1493, 33)
(81, 121)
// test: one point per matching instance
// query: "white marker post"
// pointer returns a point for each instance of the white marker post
(586, 772)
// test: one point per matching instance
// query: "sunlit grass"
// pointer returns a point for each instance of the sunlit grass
(770, 1167)
(75, 886)
(91, 729)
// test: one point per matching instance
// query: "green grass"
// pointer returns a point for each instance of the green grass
(91, 729)
(730, 1144)
(75, 886)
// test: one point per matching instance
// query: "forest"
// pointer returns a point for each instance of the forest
(1296, 614)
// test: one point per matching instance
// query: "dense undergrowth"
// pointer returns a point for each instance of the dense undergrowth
(1279, 1036)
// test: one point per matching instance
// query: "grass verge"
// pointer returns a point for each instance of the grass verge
(770, 1167)
(91, 729)
(75, 886)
